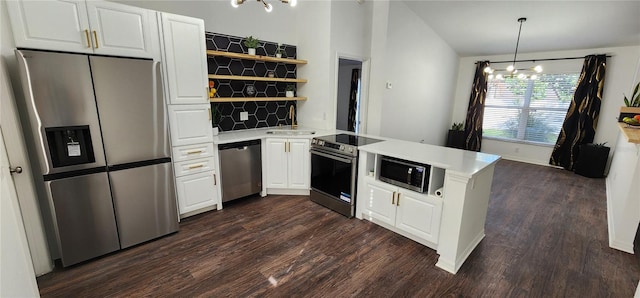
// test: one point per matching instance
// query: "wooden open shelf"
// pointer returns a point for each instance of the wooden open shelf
(255, 57)
(247, 78)
(234, 99)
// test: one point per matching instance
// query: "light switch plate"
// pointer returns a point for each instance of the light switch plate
(244, 116)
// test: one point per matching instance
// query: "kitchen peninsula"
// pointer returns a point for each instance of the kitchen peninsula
(449, 217)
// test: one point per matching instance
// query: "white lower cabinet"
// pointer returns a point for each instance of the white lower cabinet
(414, 213)
(288, 163)
(196, 192)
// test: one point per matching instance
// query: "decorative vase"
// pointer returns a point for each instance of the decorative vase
(289, 93)
(278, 55)
(252, 51)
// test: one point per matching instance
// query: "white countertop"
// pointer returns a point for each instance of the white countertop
(260, 133)
(462, 162)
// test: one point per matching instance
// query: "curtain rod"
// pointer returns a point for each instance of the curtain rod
(534, 60)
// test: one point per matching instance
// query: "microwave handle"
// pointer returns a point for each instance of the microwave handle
(409, 175)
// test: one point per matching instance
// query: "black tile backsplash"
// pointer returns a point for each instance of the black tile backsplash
(261, 113)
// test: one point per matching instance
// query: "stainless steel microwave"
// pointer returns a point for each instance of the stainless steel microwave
(403, 173)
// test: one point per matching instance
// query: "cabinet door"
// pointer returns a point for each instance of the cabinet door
(196, 191)
(185, 56)
(190, 124)
(419, 215)
(378, 200)
(299, 164)
(118, 29)
(54, 25)
(276, 163)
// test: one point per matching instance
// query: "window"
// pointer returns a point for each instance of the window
(526, 110)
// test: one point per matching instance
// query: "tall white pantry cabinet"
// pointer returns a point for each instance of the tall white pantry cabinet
(183, 51)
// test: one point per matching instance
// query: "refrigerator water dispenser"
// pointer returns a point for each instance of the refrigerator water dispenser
(70, 145)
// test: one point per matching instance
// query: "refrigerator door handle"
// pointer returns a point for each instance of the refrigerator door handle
(33, 113)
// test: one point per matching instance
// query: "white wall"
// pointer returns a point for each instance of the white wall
(621, 68)
(422, 70)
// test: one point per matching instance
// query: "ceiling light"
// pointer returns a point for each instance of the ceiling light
(267, 6)
(512, 69)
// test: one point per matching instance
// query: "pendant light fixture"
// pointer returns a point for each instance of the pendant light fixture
(512, 70)
(267, 6)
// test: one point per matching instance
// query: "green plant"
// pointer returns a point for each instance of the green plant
(290, 88)
(635, 97)
(599, 144)
(457, 126)
(251, 42)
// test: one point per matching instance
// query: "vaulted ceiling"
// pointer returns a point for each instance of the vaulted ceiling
(478, 28)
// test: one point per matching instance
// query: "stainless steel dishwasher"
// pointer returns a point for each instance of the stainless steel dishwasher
(240, 169)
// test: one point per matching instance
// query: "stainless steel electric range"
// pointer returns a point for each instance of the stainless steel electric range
(334, 171)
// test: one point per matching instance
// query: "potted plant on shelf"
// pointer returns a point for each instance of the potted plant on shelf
(455, 138)
(289, 91)
(279, 51)
(632, 104)
(251, 44)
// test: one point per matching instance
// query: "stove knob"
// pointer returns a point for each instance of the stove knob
(350, 149)
(321, 143)
(313, 141)
(341, 147)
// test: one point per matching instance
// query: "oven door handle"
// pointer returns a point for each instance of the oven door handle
(338, 158)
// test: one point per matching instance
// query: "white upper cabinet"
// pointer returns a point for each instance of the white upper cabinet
(84, 26)
(122, 30)
(185, 59)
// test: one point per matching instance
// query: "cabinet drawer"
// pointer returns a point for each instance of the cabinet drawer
(191, 152)
(194, 166)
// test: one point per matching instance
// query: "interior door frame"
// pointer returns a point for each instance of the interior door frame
(364, 88)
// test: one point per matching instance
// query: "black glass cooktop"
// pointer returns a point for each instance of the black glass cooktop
(349, 139)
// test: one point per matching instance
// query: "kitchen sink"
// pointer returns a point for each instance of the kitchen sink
(290, 132)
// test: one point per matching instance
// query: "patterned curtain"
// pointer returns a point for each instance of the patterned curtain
(475, 112)
(580, 123)
(353, 100)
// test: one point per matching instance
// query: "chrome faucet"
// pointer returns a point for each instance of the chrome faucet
(292, 112)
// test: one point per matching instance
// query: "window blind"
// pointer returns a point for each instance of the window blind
(527, 110)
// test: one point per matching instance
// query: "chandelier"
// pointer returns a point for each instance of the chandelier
(267, 6)
(512, 70)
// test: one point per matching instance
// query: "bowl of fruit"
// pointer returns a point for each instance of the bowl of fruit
(633, 122)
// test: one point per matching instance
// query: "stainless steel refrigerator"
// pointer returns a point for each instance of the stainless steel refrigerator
(96, 128)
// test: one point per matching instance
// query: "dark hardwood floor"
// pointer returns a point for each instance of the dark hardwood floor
(546, 236)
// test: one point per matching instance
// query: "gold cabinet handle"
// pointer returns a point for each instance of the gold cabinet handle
(398, 200)
(393, 198)
(86, 34)
(95, 36)
(214, 180)
(209, 114)
(196, 166)
(194, 152)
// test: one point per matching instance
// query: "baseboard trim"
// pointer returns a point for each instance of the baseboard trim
(285, 191)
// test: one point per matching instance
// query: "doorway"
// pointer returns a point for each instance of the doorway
(349, 94)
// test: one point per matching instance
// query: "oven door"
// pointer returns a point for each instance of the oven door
(333, 180)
